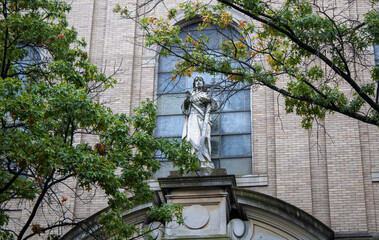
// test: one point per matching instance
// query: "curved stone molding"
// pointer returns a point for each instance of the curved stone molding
(207, 207)
(238, 229)
(196, 216)
(156, 230)
(282, 215)
(90, 226)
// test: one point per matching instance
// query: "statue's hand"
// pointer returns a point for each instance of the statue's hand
(214, 105)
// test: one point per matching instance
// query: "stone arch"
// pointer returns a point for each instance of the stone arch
(268, 215)
(90, 229)
(236, 214)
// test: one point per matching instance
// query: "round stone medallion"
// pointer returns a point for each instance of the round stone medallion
(196, 216)
(238, 227)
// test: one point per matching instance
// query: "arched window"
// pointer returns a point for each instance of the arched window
(231, 128)
(32, 59)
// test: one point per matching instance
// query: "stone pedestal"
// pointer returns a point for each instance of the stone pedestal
(206, 201)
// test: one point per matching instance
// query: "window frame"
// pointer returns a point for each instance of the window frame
(159, 93)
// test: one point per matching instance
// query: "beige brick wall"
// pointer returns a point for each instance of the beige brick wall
(324, 171)
(345, 177)
(292, 160)
(319, 173)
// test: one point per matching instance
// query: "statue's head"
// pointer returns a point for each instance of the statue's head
(198, 83)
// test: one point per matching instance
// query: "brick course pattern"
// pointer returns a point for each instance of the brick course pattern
(324, 171)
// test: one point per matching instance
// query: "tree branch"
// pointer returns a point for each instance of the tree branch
(309, 49)
(14, 178)
(36, 206)
(332, 107)
(3, 75)
(52, 227)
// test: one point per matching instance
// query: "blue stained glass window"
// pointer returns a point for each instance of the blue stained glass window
(169, 126)
(215, 145)
(215, 124)
(170, 104)
(239, 101)
(32, 58)
(167, 85)
(235, 146)
(238, 166)
(164, 170)
(231, 128)
(169, 61)
(235, 123)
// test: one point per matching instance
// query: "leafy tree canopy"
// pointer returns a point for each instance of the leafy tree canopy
(317, 56)
(47, 91)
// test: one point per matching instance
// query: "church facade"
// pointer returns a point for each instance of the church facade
(290, 183)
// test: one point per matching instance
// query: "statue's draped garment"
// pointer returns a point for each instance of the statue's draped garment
(194, 109)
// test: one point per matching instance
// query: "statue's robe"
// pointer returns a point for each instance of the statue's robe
(194, 123)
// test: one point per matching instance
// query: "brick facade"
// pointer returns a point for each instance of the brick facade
(326, 171)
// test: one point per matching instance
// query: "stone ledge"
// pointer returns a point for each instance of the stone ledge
(255, 180)
(197, 181)
(201, 172)
(375, 175)
(353, 236)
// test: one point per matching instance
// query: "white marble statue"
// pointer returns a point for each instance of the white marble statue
(197, 122)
